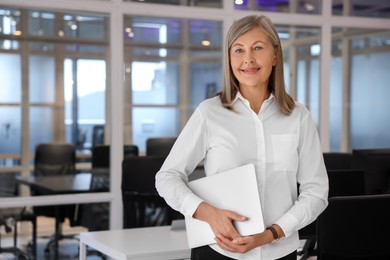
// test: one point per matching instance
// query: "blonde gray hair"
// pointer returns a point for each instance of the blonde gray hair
(276, 83)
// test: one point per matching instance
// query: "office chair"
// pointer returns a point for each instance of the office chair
(142, 206)
(341, 183)
(354, 227)
(101, 154)
(55, 159)
(337, 161)
(9, 218)
(333, 161)
(159, 146)
(376, 165)
(95, 216)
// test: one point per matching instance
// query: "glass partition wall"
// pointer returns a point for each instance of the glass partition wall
(118, 72)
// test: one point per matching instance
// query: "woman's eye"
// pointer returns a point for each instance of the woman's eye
(238, 50)
(257, 48)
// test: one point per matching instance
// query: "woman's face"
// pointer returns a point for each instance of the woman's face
(252, 57)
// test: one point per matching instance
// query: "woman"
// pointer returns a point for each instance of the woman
(253, 120)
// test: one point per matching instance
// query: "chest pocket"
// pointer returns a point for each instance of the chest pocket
(285, 149)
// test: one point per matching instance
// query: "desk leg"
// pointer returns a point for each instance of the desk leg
(83, 251)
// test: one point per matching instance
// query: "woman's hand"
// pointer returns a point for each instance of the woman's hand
(220, 220)
(243, 244)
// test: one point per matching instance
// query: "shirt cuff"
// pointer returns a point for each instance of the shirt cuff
(190, 204)
(288, 223)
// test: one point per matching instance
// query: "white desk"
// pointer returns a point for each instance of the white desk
(150, 243)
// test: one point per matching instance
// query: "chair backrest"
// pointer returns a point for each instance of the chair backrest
(341, 183)
(142, 206)
(346, 182)
(376, 165)
(101, 154)
(159, 146)
(354, 227)
(55, 159)
(8, 185)
(337, 161)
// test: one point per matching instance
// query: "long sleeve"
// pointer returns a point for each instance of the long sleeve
(188, 150)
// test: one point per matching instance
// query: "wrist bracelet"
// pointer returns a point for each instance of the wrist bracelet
(274, 234)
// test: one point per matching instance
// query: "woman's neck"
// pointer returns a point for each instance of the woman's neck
(255, 96)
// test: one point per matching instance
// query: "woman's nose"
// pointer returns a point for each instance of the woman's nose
(249, 60)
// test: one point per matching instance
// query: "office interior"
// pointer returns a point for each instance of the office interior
(119, 72)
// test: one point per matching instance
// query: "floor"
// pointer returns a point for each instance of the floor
(68, 249)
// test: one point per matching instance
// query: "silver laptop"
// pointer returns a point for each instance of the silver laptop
(235, 190)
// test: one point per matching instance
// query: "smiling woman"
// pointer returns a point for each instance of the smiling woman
(252, 58)
(253, 120)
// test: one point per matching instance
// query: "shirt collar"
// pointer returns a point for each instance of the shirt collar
(240, 96)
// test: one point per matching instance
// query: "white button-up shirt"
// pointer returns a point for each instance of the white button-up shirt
(285, 150)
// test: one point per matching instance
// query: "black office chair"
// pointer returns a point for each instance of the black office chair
(101, 154)
(55, 159)
(95, 216)
(159, 146)
(337, 161)
(376, 166)
(341, 183)
(142, 206)
(354, 227)
(9, 218)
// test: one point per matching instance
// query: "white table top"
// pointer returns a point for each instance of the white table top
(149, 243)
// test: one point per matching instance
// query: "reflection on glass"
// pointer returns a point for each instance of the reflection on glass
(204, 83)
(42, 46)
(335, 103)
(304, 41)
(41, 23)
(85, 48)
(205, 33)
(366, 79)
(85, 91)
(42, 85)
(154, 52)
(154, 122)
(84, 26)
(372, 8)
(203, 3)
(10, 78)
(10, 131)
(41, 126)
(155, 82)
(292, 6)
(139, 29)
(9, 45)
(162, 66)
(369, 100)
(10, 21)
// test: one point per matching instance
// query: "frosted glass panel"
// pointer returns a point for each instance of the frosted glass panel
(41, 126)
(10, 78)
(335, 102)
(10, 130)
(370, 118)
(204, 82)
(42, 79)
(154, 122)
(155, 82)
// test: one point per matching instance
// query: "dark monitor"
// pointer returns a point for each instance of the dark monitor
(376, 165)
